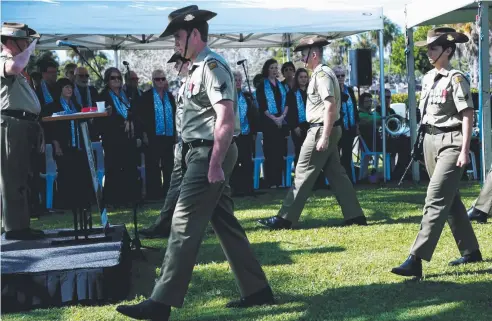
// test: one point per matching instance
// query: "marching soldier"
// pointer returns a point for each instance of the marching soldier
(162, 226)
(447, 110)
(209, 121)
(320, 148)
(483, 204)
(20, 131)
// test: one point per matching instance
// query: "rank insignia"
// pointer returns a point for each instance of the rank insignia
(212, 65)
(222, 87)
(458, 79)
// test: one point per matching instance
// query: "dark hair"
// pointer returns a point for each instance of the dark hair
(69, 66)
(60, 83)
(257, 80)
(43, 67)
(35, 75)
(108, 72)
(453, 50)
(266, 67)
(287, 64)
(363, 96)
(298, 72)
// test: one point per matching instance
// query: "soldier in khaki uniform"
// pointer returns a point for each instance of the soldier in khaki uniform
(162, 225)
(483, 204)
(447, 109)
(19, 129)
(209, 121)
(320, 148)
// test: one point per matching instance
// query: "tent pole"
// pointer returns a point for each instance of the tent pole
(116, 58)
(412, 101)
(381, 98)
(484, 90)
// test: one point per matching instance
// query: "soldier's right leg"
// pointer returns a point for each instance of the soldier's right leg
(15, 163)
(307, 170)
(162, 225)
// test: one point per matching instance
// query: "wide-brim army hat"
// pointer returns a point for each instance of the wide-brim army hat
(176, 57)
(18, 30)
(311, 41)
(187, 17)
(441, 36)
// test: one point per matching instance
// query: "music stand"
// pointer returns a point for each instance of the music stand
(85, 222)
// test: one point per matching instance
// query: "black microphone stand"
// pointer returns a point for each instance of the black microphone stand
(135, 243)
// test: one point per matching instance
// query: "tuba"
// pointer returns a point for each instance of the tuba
(396, 125)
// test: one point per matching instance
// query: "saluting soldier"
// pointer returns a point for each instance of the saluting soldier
(447, 109)
(209, 153)
(483, 204)
(162, 225)
(320, 148)
(20, 131)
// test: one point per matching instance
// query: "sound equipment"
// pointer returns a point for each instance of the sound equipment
(360, 61)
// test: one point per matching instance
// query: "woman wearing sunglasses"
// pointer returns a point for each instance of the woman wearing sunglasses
(117, 131)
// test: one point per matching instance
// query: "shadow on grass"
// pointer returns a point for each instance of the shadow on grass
(408, 300)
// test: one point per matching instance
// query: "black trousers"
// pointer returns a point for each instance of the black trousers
(345, 147)
(159, 162)
(74, 179)
(242, 176)
(274, 149)
(122, 185)
(402, 147)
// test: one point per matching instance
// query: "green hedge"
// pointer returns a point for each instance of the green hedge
(402, 98)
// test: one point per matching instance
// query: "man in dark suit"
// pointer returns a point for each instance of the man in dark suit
(155, 110)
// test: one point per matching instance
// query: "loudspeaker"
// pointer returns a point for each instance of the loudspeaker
(360, 61)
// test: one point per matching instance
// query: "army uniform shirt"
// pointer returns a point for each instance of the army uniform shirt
(323, 84)
(15, 91)
(449, 97)
(209, 82)
(179, 107)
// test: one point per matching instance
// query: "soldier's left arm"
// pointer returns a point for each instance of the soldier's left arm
(464, 104)
(221, 92)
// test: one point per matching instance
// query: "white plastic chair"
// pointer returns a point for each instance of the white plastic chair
(50, 175)
(400, 109)
(258, 160)
(99, 153)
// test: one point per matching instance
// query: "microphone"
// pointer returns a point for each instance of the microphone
(61, 43)
(126, 63)
(240, 62)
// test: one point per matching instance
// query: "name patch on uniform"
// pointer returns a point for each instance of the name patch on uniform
(212, 65)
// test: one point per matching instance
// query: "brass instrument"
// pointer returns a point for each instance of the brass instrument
(397, 125)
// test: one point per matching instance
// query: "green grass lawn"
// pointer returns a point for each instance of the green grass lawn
(318, 271)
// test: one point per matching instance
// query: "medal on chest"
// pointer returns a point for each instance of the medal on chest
(190, 86)
(444, 95)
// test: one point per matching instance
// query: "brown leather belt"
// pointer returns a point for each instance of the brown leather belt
(433, 130)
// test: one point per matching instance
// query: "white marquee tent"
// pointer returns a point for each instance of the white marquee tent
(455, 11)
(138, 24)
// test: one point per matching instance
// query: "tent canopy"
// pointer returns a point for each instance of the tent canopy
(138, 24)
(435, 13)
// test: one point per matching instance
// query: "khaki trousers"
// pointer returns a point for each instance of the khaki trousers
(200, 202)
(163, 222)
(18, 139)
(443, 202)
(309, 165)
(484, 200)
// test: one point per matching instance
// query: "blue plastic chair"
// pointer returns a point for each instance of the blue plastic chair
(99, 153)
(258, 160)
(50, 175)
(473, 171)
(289, 161)
(367, 154)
